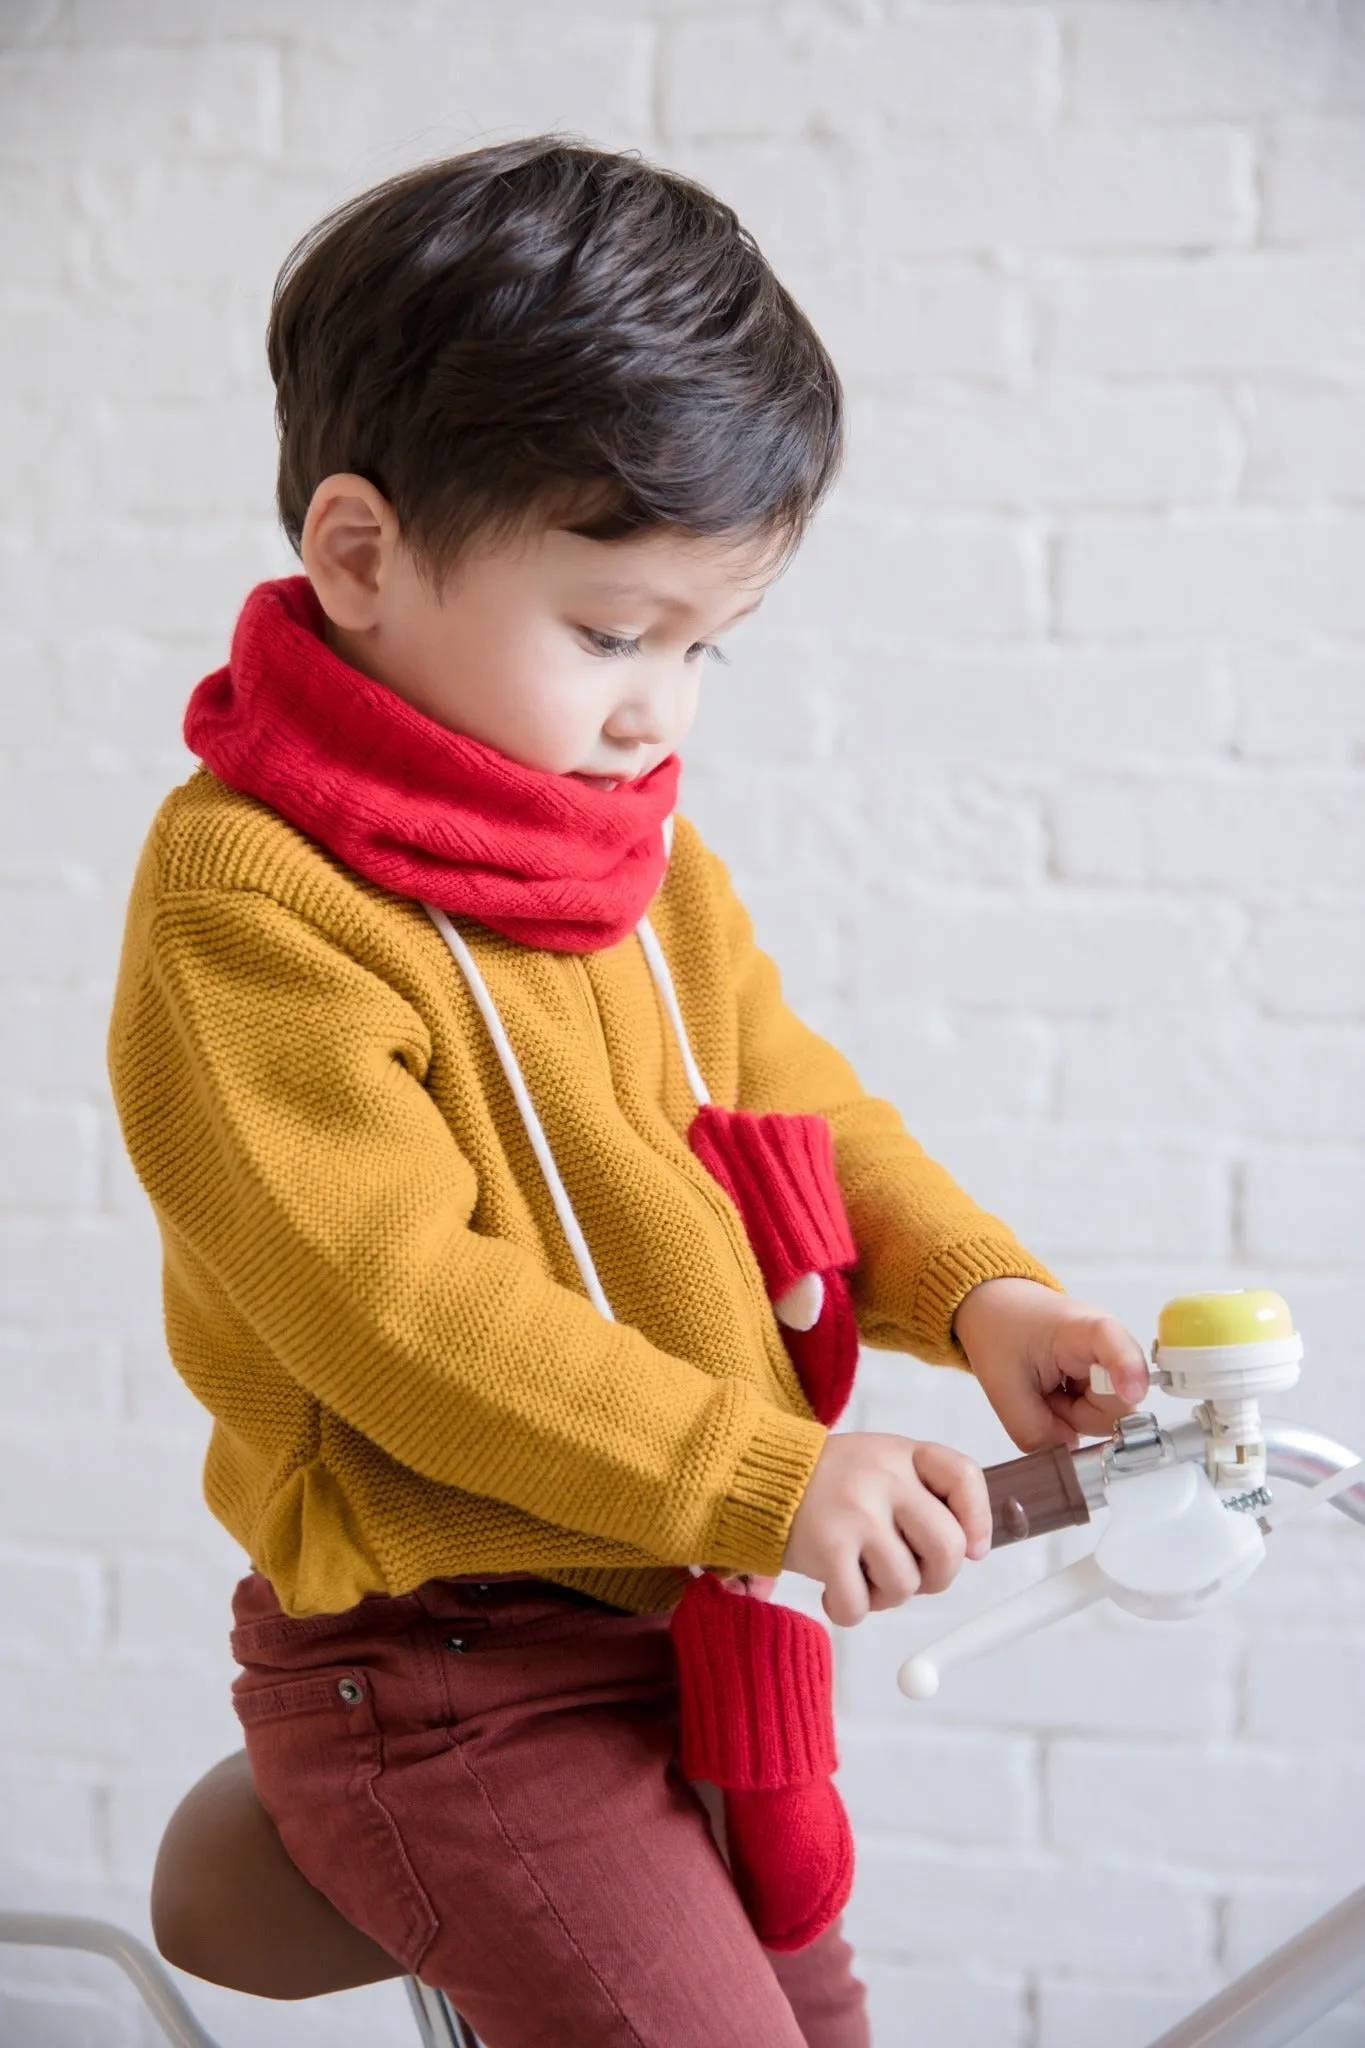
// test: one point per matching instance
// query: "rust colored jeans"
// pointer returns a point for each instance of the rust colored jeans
(484, 1778)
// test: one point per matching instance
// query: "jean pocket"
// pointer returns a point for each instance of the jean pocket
(316, 1750)
(318, 1693)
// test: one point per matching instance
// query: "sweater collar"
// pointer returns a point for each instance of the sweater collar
(424, 812)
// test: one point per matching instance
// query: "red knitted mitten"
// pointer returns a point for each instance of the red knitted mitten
(756, 1691)
(779, 1173)
(826, 1354)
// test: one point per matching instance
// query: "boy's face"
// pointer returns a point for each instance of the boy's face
(577, 656)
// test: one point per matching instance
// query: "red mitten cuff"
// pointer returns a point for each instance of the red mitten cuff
(779, 1173)
(757, 1691)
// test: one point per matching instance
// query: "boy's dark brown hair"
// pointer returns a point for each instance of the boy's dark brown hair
(543, 328)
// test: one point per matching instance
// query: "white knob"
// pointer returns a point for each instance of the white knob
(918, 1678)
(1066, 1592)
(1100, 1382)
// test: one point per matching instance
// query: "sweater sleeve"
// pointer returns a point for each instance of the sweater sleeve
(271, 1093)
(923, 1244)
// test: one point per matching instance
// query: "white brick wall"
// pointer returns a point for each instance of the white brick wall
(1042, 772)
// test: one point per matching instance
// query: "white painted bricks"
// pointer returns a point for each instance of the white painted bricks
(1041, 770)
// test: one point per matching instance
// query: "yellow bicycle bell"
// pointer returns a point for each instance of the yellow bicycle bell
(1225, 1351)
(1244, 1315)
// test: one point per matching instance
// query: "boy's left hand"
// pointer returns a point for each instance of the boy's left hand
(1032, 1350)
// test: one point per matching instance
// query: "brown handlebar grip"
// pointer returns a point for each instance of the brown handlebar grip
(1032, 1496)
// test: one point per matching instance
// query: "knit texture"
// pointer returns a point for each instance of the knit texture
(366, 1283)
(421, 810)
(756, 1691)
(779, 1173)
(826, 1355)
(756, 1683)
(792, 1860)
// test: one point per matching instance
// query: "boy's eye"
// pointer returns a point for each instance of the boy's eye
(618, 643)
(610, 643)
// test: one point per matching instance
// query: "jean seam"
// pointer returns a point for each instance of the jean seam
(525, 1865)
(418, 1896)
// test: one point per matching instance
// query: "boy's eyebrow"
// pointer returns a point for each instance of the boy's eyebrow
(606, 587)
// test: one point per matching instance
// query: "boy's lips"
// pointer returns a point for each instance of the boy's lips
(602, 782)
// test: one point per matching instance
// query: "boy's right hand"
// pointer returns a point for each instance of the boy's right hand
(883, 1517)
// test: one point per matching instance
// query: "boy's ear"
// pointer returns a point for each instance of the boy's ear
(347, 545)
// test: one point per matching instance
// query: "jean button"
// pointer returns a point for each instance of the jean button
(456, 1643)
(351, 1693)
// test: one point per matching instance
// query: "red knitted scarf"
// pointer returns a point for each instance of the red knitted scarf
(420, 810)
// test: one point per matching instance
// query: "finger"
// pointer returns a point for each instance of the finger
(1087, 1414)
(938, 1540)
(961, 1483)
(1058, 1429)
(845, 1598)
(1028, 1416)
(1102, 1340)
(891, 1571)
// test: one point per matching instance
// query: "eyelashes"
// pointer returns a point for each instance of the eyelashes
(610, 643)
(616, 644)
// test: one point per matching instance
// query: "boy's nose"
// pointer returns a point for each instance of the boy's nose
(640, 727)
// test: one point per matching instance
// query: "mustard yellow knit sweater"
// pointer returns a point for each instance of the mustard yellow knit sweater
(365, 1281)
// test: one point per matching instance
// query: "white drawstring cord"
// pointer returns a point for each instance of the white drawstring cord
(801, 1307)
(535, 1130)
(521, 1094)
(663, 981)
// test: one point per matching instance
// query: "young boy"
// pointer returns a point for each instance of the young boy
(517, 1236)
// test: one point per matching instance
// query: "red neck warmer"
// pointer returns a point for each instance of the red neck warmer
(422, 811)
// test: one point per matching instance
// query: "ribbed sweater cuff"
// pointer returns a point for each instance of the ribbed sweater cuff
(952, 1273)
(751, 1529)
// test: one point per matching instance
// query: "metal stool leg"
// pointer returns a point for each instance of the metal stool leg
(437, 2020)
(134, 1958)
